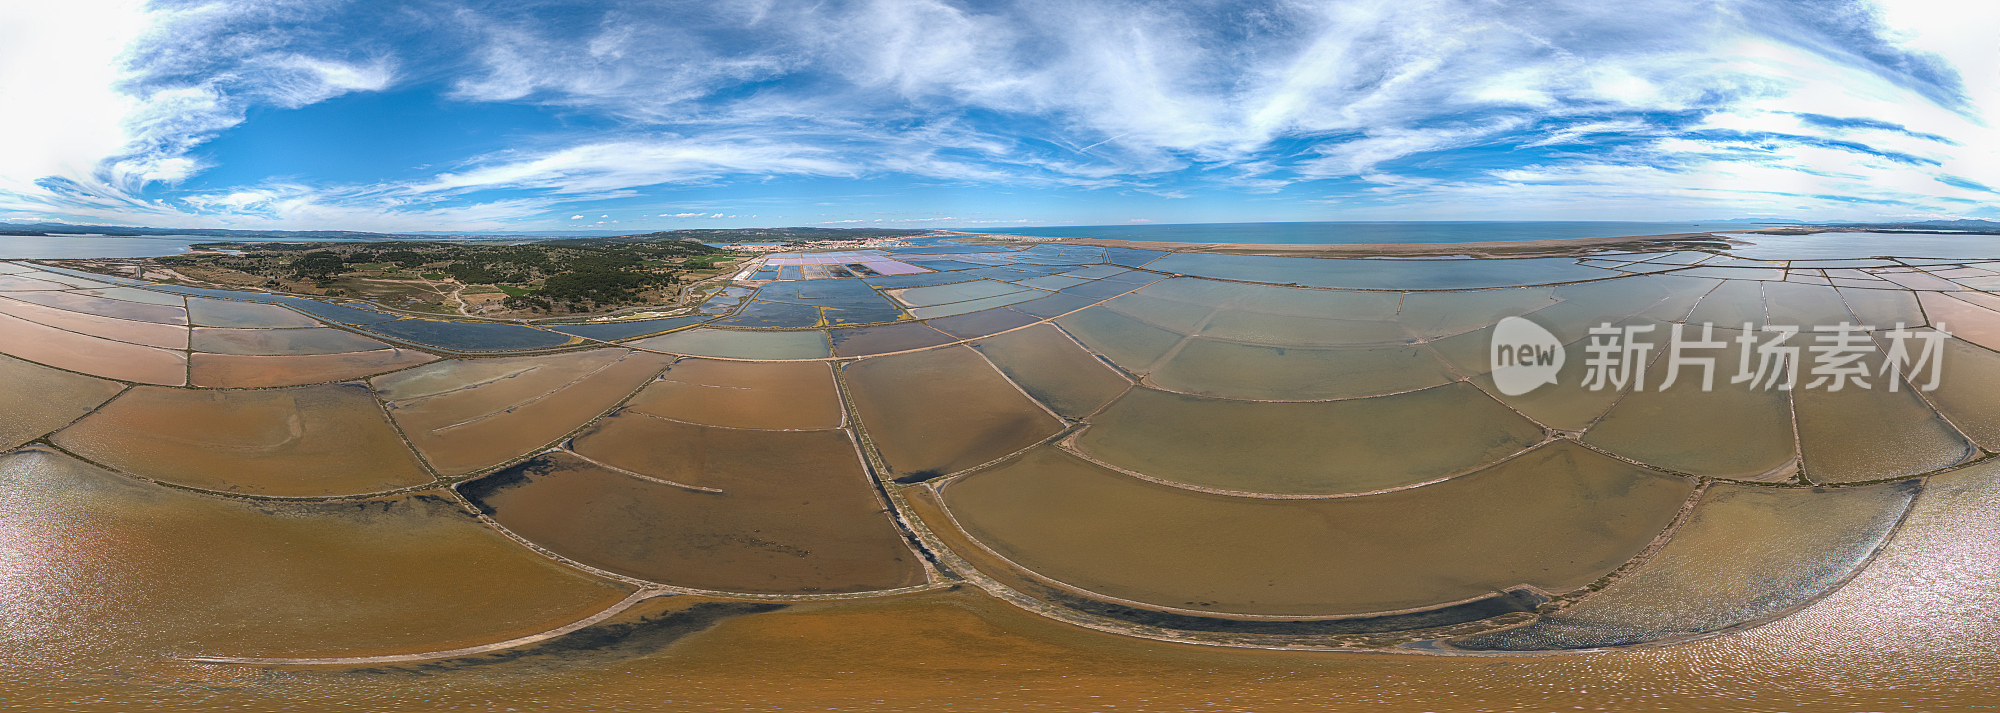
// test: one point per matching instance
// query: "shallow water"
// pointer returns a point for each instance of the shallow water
(1130, 343)
(166, 336)
(469, 415)
(273, 342)
(105, 307)
(123, 576)
(91, 355)
(1732, 304)
(1728, 431)
(1747, 553)
(234, 371)
(223, 313)
(982, 323)
(941, 411)
(736, 344)
(470, 336)
(866, 341)
(1837, 246)
(1116, 535)
(794, 513)
(1968, 391)
(1054, 369)
(795, 395)
(1883, 309)
(1232, 370)
(1860, 434)
(38, 400)
(305, 441)
(1353, 446)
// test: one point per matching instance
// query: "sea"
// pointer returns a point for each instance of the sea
(1370, 233)
(76, 247)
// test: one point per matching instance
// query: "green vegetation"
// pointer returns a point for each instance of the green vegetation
(319, 265)
(556, 277)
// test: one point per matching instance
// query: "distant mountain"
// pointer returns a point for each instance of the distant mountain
(1968, 225)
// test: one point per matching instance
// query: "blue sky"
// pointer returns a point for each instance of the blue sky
(518, 115)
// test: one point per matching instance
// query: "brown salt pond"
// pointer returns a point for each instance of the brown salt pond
(158, 573)
(735, 394)
(24, 283)
(1557, 518)
(234, 371)
(307, 441)
(794, 514)
(943, 410)
(102, 307)
(1963, 319)
(468, 415)
(110, 359)
(1054, 369)
(38, 400)
(166, 336)
(1331, 447)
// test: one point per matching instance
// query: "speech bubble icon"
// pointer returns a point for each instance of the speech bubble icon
(1524, 356)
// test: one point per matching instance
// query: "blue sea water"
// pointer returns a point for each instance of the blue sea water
(1368, 233)
(67, 247)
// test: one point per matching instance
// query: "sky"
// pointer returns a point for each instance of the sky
(522, 115)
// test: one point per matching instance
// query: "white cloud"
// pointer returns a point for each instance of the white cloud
(624, 164)
(1693, 98)
(59, 67)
